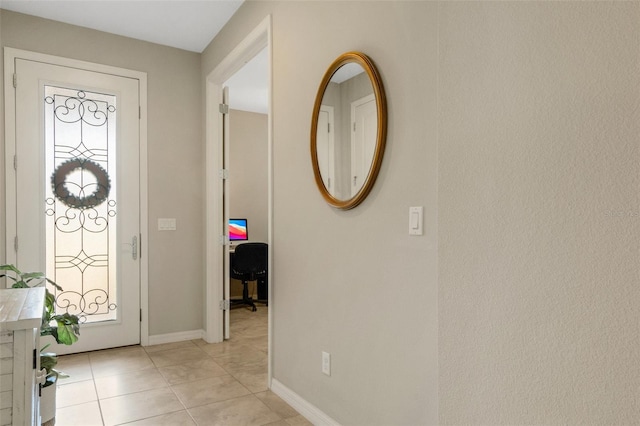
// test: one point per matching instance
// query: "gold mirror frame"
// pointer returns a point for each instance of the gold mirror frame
(381, 136)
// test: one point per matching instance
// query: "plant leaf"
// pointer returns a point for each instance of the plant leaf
(54, 284)
(68, 328)
(67, 334)
(10, 268)
(48, 360)
(30, 276)
(20, 284)
(60, 374)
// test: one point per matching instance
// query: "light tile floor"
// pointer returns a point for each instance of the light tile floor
(184, 383)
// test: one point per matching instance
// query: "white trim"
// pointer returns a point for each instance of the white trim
(180, 336)
(144, 214)
(9, 153)
(10, 55)
(301, 405)
(267, 23)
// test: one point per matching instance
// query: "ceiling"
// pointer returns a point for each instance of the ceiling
(183, 24)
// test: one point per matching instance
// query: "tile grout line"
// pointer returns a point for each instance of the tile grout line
(95, 387)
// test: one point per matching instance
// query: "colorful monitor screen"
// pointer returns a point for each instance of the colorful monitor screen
(238, 230)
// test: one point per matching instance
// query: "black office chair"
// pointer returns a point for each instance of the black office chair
(249, 263)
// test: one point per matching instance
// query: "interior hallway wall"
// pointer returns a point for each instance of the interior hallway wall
(353, 283)
(516, 125)
(3, 231)
(539, 223)
(175, 170)
(248, 171)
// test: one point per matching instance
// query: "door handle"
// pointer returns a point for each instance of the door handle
(134, 247)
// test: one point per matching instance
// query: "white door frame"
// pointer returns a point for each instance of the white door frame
(256, 41)
(329, 174)
(10, 55)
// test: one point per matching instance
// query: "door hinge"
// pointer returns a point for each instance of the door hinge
(354, 126)
(140, 315)
(223, 174)
(15, 162)
(140, 112)
(328, 127)
(15, 80)
(224, 305)
(224, 240)
(224, 109)
(35, 362)
(15, 243)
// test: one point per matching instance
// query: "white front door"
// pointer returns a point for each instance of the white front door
(77, 195)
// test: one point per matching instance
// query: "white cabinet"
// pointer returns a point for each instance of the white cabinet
(20, 319)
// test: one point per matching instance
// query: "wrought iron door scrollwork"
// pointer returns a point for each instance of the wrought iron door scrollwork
(85, 304)
(80, 133)
(79, 108)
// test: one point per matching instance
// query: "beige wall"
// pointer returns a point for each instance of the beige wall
(353, 283)
(538, 156)
(516, 125)
(3, 230)
(248, 171)
(174, 154)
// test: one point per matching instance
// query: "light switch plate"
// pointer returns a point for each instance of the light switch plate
(166, 224)
(415, 220)
(326, 363)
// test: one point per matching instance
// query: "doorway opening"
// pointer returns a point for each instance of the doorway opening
(217, 198)
(245, 186)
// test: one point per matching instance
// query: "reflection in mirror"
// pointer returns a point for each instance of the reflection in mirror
(349, 110)
(348, 130)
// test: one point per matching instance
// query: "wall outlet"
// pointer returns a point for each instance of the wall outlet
(326, 363)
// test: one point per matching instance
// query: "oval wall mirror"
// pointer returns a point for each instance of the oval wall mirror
(348, 130)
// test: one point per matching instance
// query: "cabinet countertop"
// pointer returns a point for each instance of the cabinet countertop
(21, 308)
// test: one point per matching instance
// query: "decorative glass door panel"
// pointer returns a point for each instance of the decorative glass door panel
(80, 203)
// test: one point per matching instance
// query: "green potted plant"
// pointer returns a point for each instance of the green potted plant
(64, 328)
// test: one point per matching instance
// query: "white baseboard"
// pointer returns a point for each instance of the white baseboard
(302, 406)
(180, 336)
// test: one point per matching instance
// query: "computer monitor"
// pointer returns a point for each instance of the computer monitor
(238, 230)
